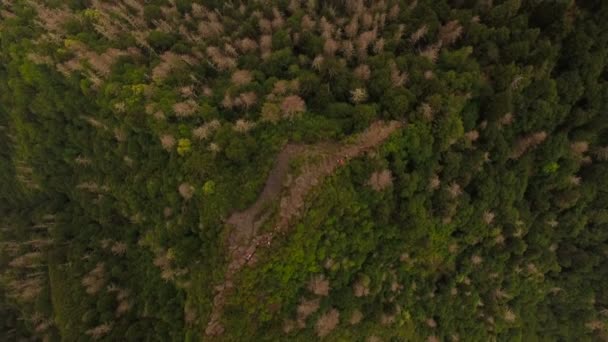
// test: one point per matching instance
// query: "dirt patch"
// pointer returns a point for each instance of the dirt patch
(246, 222)
(245, 238)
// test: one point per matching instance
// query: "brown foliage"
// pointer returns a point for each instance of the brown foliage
(186, 191)
(307, 308)
(593, 325)
(579, 147)
(123, 307)
(265, 45)
(187, 91)
(308, 23)
(431, 52)
(360, 289)
(363, 41)
(326, 27)
(330, 47)
(601, 153)
(506, 120)
(247, 45)
(246, 100)
(119, 248)
(26, 289)
(241, 77)
(381, 180)
(362, 72)
(471, 136)
(204, 131)
(230, 50)
(348, 49)
(367, 20)
(476, 259)
(454, 190)
(169, 61)
(398, 78)
(277, 21)
(219, 59)
(39, 59)
(83, 161)
(52, 19)
(393, 13)
(526, 143)
(488, 217)
(319, 285)
(418, 34)
(99, 331)
(317, 62)
(167, 141)
(378, 46)
(210, 29)
(120, 135)
(243, 126)
(327, 322)
(292, 106)
(510, 315)
(102, 64)
(265, 25)
(288, 326)
(280, 87)
(352, 28)
(190, 315)
(215, 148)
(31, 259)
(95, 279)
(358, 95)
(450, 32)
(227, 101)
(427, 111)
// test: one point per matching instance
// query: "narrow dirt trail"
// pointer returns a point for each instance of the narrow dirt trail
(245, 239)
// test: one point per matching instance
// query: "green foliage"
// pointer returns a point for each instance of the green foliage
(209, 187)
(550, 168)
(183, 146)
(161, 41)
(491, 223)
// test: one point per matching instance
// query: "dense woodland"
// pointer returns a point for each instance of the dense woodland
(131, 130)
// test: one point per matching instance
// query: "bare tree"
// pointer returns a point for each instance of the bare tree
(358, 95)
(99, 331)
(527, 142)
(319, 285)
(95, 279)
(241, 77)
(327, 322)
(330, 47)
(186, 191)
(381, 180)
(362, 72)
(167, 141)
(305, 309)
(450, 32)
(292, 106)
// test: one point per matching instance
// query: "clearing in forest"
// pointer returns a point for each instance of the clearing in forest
(245, 237)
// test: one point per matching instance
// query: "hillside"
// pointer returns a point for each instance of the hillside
(290, 170)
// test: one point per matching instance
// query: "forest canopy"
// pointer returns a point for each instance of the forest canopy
(274, 170)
